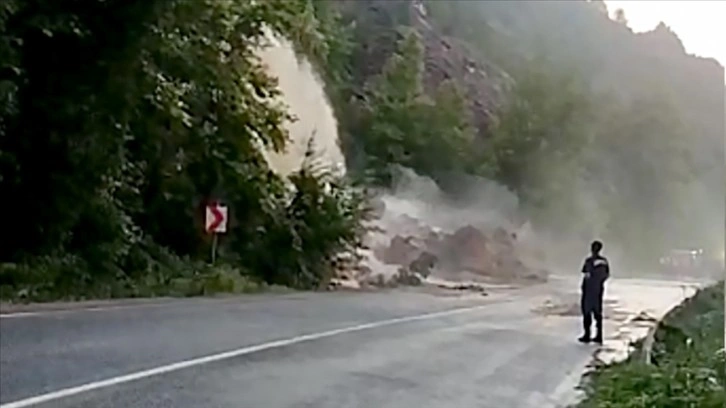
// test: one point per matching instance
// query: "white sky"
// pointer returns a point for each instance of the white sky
(701, 25)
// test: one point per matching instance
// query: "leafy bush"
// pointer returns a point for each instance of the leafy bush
(320, 218)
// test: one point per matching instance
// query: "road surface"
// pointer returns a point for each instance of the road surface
(402, 349)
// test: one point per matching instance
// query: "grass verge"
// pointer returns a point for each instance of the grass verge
(63, 279)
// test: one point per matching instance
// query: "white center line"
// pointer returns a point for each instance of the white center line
(160, 303)
(18, 315)
(67, 392)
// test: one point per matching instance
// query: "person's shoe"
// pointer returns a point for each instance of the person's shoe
(584, 339)
(598, 340)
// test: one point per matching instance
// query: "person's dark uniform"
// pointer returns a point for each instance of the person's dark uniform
(596, 271)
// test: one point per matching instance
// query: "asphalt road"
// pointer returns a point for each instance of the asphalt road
(401, 349)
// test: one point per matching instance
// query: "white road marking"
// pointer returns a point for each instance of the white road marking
(17, 315)
(67, 392)
(161, 302)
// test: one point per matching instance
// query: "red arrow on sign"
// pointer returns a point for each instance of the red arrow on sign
(216, 217)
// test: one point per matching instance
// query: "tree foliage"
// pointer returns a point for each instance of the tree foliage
(401, 125)
(121, 119)
(600, 134)
(643, 128)
(540, 135)
(581, 160)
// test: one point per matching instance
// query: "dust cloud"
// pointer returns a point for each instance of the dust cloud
(697, 225)
(479, 235)
(304, 94)
(416, 207)
(487, 205)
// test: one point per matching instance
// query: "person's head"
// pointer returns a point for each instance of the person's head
(596, 247)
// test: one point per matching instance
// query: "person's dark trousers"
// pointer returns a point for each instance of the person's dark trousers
(591, 305)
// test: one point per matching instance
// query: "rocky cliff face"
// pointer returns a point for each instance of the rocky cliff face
(445, 58)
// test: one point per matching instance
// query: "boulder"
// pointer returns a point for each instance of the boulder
(401, 251)
(407, 278)
(468, 248)
(434, 241)
(502, 237)
(377, 280)
(423, 265)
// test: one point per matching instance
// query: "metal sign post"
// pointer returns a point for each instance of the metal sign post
(215, 239)
(215, 224)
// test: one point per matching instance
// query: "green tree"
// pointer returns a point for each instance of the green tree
(118, 150)
(539, 137)
(641, 153)
(402, 125)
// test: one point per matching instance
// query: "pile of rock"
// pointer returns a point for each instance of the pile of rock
(468, 249)
(416, 250)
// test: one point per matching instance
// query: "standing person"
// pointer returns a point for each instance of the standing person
(596, 271)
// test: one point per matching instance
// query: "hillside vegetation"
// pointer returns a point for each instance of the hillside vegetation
(120, 119)
(599, 131)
